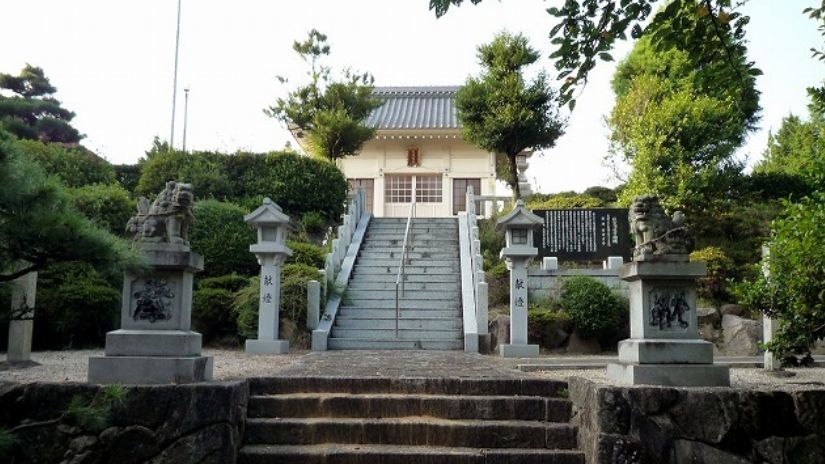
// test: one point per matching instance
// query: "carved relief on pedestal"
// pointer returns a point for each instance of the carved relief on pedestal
(669, 308)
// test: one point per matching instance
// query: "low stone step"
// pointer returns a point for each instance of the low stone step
(367, 285)
(389, 313)
(408, 270)
(403, 334)
(403, 303)
(383, 405)
(433, 323)
(383, 454)
(353, 294)
(430, 242)
(396, 255)
(439, 236)
(525, 386)
(364, 344)
(410, 261)
(414, 430)
(429, 251)
(419, 278)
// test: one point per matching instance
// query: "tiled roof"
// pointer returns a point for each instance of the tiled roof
(415, 108)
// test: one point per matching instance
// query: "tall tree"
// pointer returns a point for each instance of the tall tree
(38, 224)
(32, 112)
(677, 125)
(330, 112)
(587, 30)
(500, 111)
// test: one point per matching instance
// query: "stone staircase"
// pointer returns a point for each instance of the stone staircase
(334, 420)
(431, 306)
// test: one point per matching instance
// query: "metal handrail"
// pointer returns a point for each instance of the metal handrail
(399, 279)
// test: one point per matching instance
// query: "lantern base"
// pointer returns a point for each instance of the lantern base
(518, 351)
(267, 346)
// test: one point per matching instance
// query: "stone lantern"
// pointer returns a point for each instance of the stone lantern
(271, 251)
(518, 227)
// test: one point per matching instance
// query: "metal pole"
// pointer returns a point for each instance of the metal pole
(175, 82)
(185, 115)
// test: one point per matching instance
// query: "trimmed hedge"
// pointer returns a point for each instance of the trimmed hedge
(107, 205)
(223, 238)
(593, 307)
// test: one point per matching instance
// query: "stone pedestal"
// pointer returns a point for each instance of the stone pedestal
(518, 346)
(155, 343)
(21, 324)
(664, 347)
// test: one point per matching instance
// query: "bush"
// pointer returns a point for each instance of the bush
(108, 206)
(75, 307)
(128, 176)
(203, 170)
(563, 200)
(544, 326)
(232, 282)
(714, 286)
(498, 282)
(307, 254)
(594, 309)
(293, 299)
(212, 314)
(795, 291)
(313, 222)
(223, 238)
(74, 166)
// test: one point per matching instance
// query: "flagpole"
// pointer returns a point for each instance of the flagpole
(175, 82)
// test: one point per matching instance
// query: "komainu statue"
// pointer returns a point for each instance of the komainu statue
(657, 235)
(168, 218)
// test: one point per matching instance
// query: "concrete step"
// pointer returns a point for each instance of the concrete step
(383, 405)
(416, 241)
(403, 303)
(365, 344)
(416, 431)
(418, 278)
(417, 220)
(433, 323)
(389, 313)
(403, 334)
(394, 454)
(396, 255)
(368, 285)
(393, 263)
(352, 294)
(408, 270)
(473, 386)
(429, 251)
(416, 236)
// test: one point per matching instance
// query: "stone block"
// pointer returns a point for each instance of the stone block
(681, 375)
(550, 263)
(665, 351)
(732, 309)
(267, 346)
(518, 351)
(149, 370)
(708, 316)
(740, 336)
(576, 344)
(176, 343)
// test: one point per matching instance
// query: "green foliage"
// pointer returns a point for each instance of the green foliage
(76, 306)
(543, 325)
(39, 225)
(307, 254)
(563, 200)
(798, 150)
(714, 286)
(32, 112)
(212, 314)
(128, 176)
(298, 184)
(232, 282)
(709, 31)
(293, 299)
(75, 166)
(313, 222)
(795, 292)
(593, 307)
(678, 126)
(500, 111)
(221, 236)
(330, 113)
(108, 206)
(606, 195)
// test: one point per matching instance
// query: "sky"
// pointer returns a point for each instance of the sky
(113, 61)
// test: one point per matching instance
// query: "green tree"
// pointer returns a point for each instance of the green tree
(38, 224)
(75, 166)
(503, 113)
(677, 126)
(330, 113)
(33, 112)
(798, 149)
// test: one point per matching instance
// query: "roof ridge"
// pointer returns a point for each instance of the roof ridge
(416, 89)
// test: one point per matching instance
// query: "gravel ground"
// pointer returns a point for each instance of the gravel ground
(70, 366)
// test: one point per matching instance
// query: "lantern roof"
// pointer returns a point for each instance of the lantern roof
(269, 213)
(520, 216)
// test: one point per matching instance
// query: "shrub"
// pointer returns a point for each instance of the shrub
(221, 236)
(306, 253)
(714, 286)
(74, 166)
(75, 307)
(795, 291)
(293, 299)
(232, 282)
(203, 170)
(313, 222)
(563, 200)
(498, 281)
(594, 309)
(128, 176)
(544, 326)
(108, 206)
(212, 314)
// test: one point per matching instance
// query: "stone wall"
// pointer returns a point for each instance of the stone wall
(200, 423)
(629, 425)
(544, 283)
